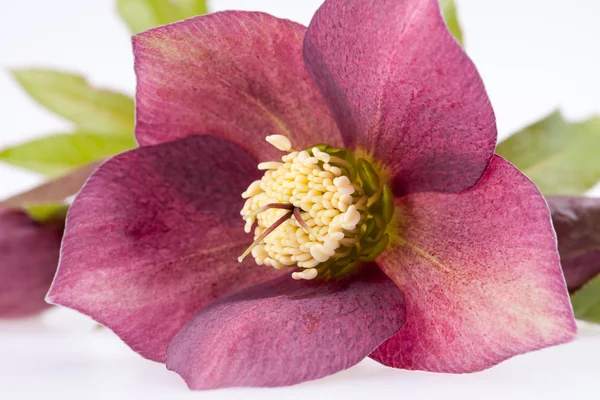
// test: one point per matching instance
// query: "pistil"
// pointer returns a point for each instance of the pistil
(301, 221)
(264, 235)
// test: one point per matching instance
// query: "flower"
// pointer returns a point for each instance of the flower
(464, 271)
(576, 222)
(30, 242)
(29, 252)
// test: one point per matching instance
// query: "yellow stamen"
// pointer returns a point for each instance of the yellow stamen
(312, 212)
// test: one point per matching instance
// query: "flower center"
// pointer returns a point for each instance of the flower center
(321, 210)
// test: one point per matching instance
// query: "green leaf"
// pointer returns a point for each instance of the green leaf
(560, 157)
(450, 16)
(57, 154)
(43, 212)
(141, 15)
(586, 301)
(71, 97)
(191, 8)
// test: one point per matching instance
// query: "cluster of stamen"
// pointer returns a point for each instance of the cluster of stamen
(310, 210)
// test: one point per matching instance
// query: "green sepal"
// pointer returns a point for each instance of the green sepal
(352, 173)
(368, 176)
(384, 205)
(387, 198)
(378, 231)
(586, 301)
(44, 212)
(369, 225)
(341, 265)
(376, 250)
(351, 159)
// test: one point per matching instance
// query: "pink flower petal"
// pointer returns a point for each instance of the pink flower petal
(239, 75)
(154, 236)
(398, 84)
(29, 257)
(285, 332)
(480, 274)
(577, 224)
(55, 190)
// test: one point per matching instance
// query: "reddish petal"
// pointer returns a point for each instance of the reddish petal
(154, 236)
(53, 191)
(285, 332)
(239, 75)
(29, 256)
(399, 85)
(577, 224)
(480, 274)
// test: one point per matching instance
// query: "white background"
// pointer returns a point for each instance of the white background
(534, 56)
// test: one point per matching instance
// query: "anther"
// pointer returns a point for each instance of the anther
(351, 218)
(280, 142)
(269, 165)
(252, 190)
(281, 206)
(307, 274)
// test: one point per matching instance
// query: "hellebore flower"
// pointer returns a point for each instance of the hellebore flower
(29, 248)
(577, 224)
(409, 241)
(28, 260)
